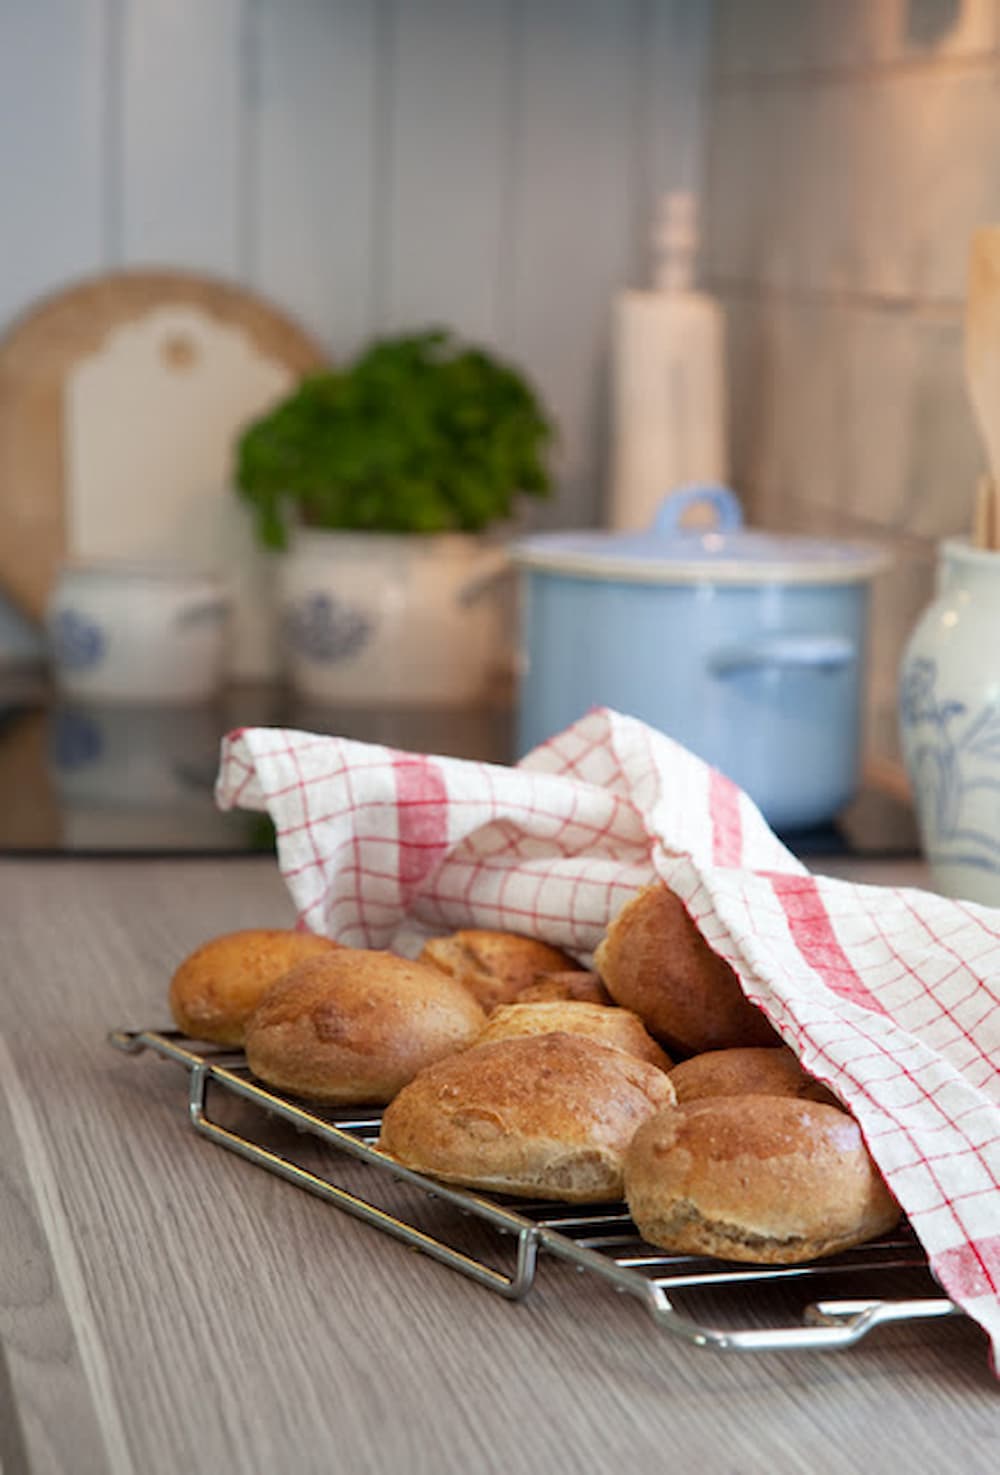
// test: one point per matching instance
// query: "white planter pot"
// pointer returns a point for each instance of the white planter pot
(394, 619)
(949, 707)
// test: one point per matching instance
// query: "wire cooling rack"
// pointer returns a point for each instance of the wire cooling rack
(600, 1238)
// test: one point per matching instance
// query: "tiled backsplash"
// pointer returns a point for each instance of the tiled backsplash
(851, 154)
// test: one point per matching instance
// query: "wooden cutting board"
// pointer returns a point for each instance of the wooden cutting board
(120, 402)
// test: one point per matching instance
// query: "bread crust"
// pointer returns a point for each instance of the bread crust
(494, 966)
(548, 988)
(617, 1027)
(747, 1071)
(217, 987)
(540, 1116)
(654, 961)
(764, 1179)
(355, 1026)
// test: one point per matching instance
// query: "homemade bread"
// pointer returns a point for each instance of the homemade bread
(766, 1179)
(618, 1027)
(355, 1026)
(749, 1071)
(574, 984)
(215, 990)
(654, 960)
(542, 1116)
(495, 966)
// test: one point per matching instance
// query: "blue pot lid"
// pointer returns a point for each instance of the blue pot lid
(728, 553)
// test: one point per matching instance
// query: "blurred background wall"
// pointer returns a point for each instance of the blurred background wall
(369, 164)
(494, 165)
(852, 150)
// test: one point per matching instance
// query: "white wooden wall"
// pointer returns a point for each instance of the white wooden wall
(852, 154)
(369, 164)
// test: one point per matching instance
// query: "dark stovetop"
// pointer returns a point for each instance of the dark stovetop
(113, 780)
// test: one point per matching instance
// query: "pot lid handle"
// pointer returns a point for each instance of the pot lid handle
(723, 503)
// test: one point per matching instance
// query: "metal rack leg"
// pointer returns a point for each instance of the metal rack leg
(513, 1287)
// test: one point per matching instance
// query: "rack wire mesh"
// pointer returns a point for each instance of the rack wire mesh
(600, 1239)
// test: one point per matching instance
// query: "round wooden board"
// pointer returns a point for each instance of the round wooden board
(37, 355)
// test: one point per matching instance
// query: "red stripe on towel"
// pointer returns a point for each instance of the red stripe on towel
(816, 940)
(971, 1269)
(727, 827)
(422, 799)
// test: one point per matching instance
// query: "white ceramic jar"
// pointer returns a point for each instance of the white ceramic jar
(137, 632)
(949, 710)
(398, 619)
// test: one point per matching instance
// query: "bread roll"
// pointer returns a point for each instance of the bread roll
(355, 1026)
(750, 1071)
(547, 988)
(654, 960)
(495, 966)
(543, 1116)
(215, 990)
(618, 1027)
(766, 1179)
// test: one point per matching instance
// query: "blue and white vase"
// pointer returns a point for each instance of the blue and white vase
(949, 711)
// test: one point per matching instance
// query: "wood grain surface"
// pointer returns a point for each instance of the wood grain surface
(165, 1306)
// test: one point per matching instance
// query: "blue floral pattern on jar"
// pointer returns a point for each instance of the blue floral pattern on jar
(954, 760)
(78, 643)
(76, 741)
(326, 629)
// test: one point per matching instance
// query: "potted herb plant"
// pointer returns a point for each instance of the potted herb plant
(385, 483)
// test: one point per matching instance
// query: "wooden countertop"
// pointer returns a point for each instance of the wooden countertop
(165, 1306)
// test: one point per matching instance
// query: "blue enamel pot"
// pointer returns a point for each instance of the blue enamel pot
(745, 646)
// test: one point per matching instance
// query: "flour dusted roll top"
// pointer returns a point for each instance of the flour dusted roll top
(542, 1116)
(654, 960)
(355, 1026)
(216, 989)
(494, 966)
(618, 1027)
(765, 1179)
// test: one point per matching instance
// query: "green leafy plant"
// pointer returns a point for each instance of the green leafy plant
(418, 435)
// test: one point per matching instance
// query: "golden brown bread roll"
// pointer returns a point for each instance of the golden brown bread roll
(748, 1071)
(618, 1027)
(766, 1179)
(216, 989)
(542, 1116)
(574, 984)
(495, 966)
(356, 1025)
(654, 960)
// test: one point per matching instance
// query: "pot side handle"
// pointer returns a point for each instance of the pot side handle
(492, 570)
(784, 652)
(202, 608)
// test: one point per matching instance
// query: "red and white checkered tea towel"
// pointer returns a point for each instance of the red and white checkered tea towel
(890, 996)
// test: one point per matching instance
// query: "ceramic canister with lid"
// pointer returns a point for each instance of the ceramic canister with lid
(949, 710)
(747, 647)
